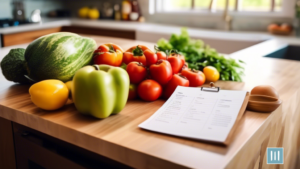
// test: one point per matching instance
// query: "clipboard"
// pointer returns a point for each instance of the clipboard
(171, 114)
(230, 136)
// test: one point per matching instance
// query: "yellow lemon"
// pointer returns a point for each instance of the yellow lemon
(49, 94)
(83, 12)
(93, 13)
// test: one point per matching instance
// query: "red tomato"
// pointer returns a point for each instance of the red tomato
(161, 72)
(137, 72)
(185, 67)
(132, 92)
(141, 54)
(151, 57)
(196, 78)
(161, 55)
(176, 62)
(129, 57)
(149, 90)
(182, 58)
(109, 54)
(177, 80)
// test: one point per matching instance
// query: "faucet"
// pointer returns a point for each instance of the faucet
(226, 17)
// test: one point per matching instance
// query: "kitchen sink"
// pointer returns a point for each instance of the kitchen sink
(290, 52)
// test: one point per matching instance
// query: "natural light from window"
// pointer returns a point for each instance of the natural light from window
(216, 5)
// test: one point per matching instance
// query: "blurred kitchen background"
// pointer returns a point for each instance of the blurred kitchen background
(135, 18)
(253, 15)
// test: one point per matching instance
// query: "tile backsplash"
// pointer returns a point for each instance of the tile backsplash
(29, 5)
(5, 9)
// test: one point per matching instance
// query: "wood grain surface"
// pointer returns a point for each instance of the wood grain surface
(7, 150)
(100, 32)
(26, 37)
(118, 137)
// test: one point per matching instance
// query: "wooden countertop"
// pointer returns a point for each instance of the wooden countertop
(119, 138)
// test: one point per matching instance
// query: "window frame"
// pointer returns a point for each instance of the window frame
(156, 7)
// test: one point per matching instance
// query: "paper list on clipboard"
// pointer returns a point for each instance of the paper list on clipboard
(197, 114)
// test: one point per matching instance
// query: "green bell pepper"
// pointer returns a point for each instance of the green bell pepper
(100, 90)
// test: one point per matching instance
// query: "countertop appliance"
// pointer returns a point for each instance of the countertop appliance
(18, 10)
(11, 22)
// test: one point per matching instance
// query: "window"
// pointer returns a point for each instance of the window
(217, 5)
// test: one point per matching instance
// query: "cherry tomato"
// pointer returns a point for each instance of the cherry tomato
(132, 92)
(137, 72)
(185, 67)
(151, 57)
(149, 90)
(161, 55)
(211, 73)
(196, 78)
(174, 51)
(141, 54)
(176, 62)
(109, 54)
(134, 57)
(182, 58)
(177, 80)
(161, 72)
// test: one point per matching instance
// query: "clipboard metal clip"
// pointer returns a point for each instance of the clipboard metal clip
(212, 88)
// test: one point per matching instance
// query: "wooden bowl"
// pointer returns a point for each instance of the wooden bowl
(262, 98)
(261, 103)
(279, 32)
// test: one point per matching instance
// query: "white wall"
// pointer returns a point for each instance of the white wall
(5, 9)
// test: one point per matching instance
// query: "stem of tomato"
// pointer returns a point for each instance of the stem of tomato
(138, 51)
(141, 64)
(182, 76)
(195, 71)
(159, 61)
(111, 48)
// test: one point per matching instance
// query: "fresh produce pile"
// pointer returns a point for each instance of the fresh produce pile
(199, 55)
(98, 80)
(54, 56)
(153, 74)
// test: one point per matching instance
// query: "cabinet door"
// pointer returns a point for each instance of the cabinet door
(26, 37)
(36, 150)
(32, 154)
(7, 151)
(125, 34)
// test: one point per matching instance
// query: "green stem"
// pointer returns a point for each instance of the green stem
(137, 51)
(111, 48)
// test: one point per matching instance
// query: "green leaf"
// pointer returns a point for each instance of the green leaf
(198, 55)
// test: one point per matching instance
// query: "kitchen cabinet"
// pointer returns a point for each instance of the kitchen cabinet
(29, 36)
(35, 150)
(25, 37)
(126, 34)
(7, 150)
